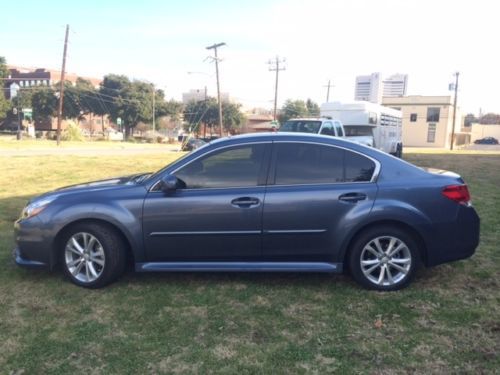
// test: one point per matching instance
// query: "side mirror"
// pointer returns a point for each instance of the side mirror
(169, 183)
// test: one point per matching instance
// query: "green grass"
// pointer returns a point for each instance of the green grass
(447, 321)
(9, 142)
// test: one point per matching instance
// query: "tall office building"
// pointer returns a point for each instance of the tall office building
(373, 87)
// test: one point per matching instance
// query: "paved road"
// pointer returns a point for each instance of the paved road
(98, 151)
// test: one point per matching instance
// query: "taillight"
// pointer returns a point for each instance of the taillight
(457, 193)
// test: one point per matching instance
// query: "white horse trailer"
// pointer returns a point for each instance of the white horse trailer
(369, 124)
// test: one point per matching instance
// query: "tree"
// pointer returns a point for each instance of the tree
(207, 112)
(312, 108)
(131, 101)
(232, 118)
(490, 118)
(469, 119)
(298, 108)
(292, 109)
(44, 103)
(4, 73)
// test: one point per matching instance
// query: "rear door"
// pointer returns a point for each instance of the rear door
(315, 194)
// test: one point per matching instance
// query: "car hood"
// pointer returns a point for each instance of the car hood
(110, 183)
(366, 140)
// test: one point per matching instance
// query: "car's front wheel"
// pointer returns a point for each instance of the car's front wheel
(384, 258)
(92, 255)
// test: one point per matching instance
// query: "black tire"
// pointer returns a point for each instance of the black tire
(383, 235)
(109, 249)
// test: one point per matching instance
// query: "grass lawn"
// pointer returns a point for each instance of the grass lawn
(9, 142)
(447, 321)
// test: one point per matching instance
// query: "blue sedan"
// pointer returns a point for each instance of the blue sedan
(276, 202)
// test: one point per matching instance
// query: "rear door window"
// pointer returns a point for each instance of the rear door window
(298, 164)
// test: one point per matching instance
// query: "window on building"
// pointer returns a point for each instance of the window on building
(433, 114)
(413, 117)
(431, 133)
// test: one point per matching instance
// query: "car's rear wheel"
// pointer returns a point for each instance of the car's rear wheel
(384, 258)
(93, 255)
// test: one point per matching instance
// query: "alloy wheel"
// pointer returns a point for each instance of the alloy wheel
(385, 261)
(84, 257)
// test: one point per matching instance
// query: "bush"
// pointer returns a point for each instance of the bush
(72, 133)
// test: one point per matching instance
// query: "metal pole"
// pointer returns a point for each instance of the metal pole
(154, 125)
(276, 88)
(18, 135)
(328, 92)
(61, 90)
(277, 69)
(218, 92)
(214, 47)
(454, 111)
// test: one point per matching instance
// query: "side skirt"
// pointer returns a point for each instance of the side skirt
(239, 267)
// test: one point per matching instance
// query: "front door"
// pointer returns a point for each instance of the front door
(216, 215)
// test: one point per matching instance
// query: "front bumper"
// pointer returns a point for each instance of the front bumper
(33, 248)
(27, 263)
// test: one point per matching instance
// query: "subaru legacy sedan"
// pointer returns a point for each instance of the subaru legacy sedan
(277, 202)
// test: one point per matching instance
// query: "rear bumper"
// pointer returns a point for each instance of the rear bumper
(456, 240)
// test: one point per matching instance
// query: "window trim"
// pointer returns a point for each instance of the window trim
(271, 155)
(155, 188)
(271, 180)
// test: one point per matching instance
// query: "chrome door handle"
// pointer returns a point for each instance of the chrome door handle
(352, 197)
(245, 202)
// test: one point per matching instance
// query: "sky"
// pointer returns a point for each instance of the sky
(321, 40)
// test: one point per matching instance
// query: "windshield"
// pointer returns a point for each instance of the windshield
(358, 131)
(301, 126)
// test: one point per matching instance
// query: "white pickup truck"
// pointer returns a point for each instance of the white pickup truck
(369, 124)
(315, 125)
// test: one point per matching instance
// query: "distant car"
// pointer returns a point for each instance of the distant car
(11, 126)
(192, 144)
(257, 203)
(486, 141)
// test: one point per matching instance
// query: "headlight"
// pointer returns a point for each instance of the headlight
(36, 207)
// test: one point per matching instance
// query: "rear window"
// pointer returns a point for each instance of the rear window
(358, 168)
(298, 164)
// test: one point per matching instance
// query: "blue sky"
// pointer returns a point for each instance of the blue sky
(161, 41)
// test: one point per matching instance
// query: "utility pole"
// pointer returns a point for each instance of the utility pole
(454, 111)
(216, 59)
(274, 66)
(154, 94)
(328, 90)
(61, 90)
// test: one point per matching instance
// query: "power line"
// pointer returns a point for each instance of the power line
(276, 68)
